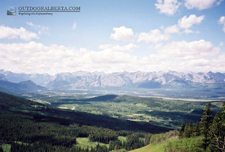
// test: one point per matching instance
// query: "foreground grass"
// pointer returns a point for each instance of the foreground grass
(172, 144)
(158, 147)
(120, 150)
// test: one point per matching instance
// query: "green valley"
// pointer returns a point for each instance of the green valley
(101, 123)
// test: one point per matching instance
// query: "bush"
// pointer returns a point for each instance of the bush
(183, 145)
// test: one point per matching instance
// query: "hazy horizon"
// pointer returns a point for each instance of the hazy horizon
(115, 72)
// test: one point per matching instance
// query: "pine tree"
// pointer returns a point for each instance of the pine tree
(196, 130)
(181, 131)
(1, 150)
(217, 131)
(206, 122)
(190, 127)
(186, 131)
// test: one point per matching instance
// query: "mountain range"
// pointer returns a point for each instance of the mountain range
(94, 80)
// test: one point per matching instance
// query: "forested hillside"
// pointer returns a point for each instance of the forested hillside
(29, 126)
(208, 135)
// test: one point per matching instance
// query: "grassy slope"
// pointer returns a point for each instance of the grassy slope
(160, 147)
(189, 144)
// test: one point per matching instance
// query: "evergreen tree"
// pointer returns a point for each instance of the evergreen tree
(196, 130)
(190, 128)
(117, 144)
(186, 131)
(133, 142)
(181, 131)
(206, 122)
(217, 131)
(1, 150)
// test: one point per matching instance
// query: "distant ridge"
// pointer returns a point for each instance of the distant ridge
(3, 78)
(86, 80)
(24, 86)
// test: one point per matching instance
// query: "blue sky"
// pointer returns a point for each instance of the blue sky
(115, 36)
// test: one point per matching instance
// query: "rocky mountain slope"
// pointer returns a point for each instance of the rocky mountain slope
(86, 80)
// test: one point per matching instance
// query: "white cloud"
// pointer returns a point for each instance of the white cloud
(13, 33)
(39, 28)
(74, 25)
(201, 4)
(187, 31)
(222, 21)
(187, 22)
(188, 50)
(168, 7)
(198, 62)
(30, 24)
(172, 29)
(126, 48)
(218, 63)
(184, 23)
(122, 33)
(35, 57)
(223, 29)
(221, 44)
(153, 36)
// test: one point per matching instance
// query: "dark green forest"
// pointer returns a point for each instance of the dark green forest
(30, 126)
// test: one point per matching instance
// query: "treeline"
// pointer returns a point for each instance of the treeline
(46, 136)
(133, 141)
(95, 134)
(42, 147)
(160, 104)
(102, 137)
(210, 129)
(190, 130)
(16, 127)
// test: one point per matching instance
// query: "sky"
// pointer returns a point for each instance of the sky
(114, 36)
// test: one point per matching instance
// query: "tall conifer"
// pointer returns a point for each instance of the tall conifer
(206, 122)
(217, 131)
(181, 131)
